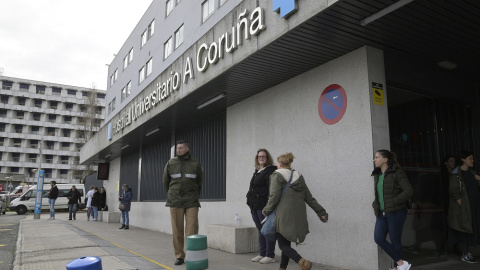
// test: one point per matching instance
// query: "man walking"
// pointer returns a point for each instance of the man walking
(182, 179)
(74, 198)
(52, 197)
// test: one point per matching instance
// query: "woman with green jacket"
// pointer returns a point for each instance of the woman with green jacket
(291, 223)
(392, 192)
(464, 207)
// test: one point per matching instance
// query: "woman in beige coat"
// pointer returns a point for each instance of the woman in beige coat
(291, 223)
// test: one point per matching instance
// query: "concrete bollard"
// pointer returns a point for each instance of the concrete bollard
(85, 263)
(197, 254)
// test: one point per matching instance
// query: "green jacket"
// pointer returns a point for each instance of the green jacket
(182, 179)
(459, 216)
(396, 192)
(291, 220)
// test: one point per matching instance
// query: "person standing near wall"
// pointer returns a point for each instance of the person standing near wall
(74, 198)
(182, 180)
(464, 207)
(95, 203)
(126, 198)
(392, 192)
(257, 197)
(103, 200)
(52, 197)
(88, 199)
(291, 222)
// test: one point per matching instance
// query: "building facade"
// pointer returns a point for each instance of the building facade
(44, 125)
(329, 81)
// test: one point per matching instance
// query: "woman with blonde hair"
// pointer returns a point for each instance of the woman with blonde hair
(257, 197)
(291, 223)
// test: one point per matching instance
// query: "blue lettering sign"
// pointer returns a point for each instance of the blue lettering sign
(286, 7)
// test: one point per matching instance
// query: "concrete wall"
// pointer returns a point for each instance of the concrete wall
(336, 160)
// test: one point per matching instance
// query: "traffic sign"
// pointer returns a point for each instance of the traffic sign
(332, 104)
(1, 187)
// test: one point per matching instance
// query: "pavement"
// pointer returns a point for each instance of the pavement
(52, 244)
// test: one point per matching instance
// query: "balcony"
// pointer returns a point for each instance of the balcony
(2, 129)
(16, 159)
(24, 89)
(36, 118)
(36, 132)
(17, 145)
(18, 130)
(64, 162)
(48, 160)
(33, 160)
(38, 105)
(6, 87)
(49, 147)
(34, 146)
(48, 175)
(50, 133)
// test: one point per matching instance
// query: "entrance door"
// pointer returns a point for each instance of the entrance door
(423, 131)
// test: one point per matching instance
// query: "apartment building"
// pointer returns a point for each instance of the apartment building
(44, 125)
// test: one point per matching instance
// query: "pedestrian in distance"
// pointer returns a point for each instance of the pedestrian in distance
(257, 198)
(291, 222)
(95, 203)
(88, 199)
(74, 198)
(392, 192)
(103, 200)
(52, 197)
(182, 180)
(126, 199)
(464, 207)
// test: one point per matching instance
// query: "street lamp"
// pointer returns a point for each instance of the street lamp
(34, 171)
(8, 189)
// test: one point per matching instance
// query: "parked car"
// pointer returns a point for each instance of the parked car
(26, 202)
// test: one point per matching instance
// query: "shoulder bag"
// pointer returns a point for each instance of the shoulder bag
(268, 228)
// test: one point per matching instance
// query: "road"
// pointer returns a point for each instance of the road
(8, 238)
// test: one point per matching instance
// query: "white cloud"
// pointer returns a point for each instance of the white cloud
(65, 41)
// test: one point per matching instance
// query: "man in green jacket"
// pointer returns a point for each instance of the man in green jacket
(182, 179)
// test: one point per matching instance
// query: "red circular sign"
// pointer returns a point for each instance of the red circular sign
(332, 104)
(1, 188)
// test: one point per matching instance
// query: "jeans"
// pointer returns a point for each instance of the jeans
(125, 219)
(391, 224)
(72, 210)
(287, 251)
(267, 247)
(95, 212)
(51, 202)
(89, 212)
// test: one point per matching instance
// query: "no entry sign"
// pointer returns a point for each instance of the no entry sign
(332, 104)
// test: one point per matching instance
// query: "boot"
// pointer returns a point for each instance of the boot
(282, 269)
(123, 227)
(305, 264)
(126, 227)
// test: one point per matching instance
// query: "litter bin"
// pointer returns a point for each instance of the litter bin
(197, 254)
(85, 263)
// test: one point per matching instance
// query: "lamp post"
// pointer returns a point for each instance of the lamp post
(8, 189)
(34, 171)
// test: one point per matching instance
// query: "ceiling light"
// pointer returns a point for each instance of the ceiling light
(109, 155)
(447, 65)
(125, 146)
(210, 101)
(153, 131)
(384, 12)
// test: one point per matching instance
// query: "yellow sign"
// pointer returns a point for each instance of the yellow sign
(378, 96)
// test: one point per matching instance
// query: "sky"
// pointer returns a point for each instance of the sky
(65, 41)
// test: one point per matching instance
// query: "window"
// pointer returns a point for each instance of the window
(33, 143)
(178, 1)
(111, 80)
(144, 38)
(170, 5)
(17, 143)
(65, 145)
(2, 127)
(109, 108)
(53, 104)
(21, 101)
(52, 118)
(72, 92)
(101, 96)
(35, 130)
(20, 115)
(124, 93)
(113, 104)
(40, 89)
(5, 99)
(126, 90)
(149, 66)
(64, 160)
(64, 172)
(48, 159)
(36, 116)
(115, 75)
(222, 2)
(84, 94)
(2, 141)
(18, 128)
(48, 174)
(24, 87)
(66, 132)
(14, 169)
(32, 158)
(179, 37)
(68, 106)
(129, 88)
(168, 47)
(38, 103)
(50, 132)
(151, 29)
(141, 75)
(130, 55)
(50, 144)
(67, 119)
(125, 62)
(56, 91)
(6, 85)
(3, 113)
(16, 157)
(207, 9)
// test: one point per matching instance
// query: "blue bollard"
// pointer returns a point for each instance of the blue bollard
(85, 263)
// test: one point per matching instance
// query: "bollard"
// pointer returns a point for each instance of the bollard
(85, 263)
(197, 254)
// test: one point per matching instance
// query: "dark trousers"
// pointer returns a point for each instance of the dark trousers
(391, 224)
(267, 247)
(72, 210)
(463, 240)
(287, 251)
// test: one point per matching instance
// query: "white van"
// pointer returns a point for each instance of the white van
(26, 202)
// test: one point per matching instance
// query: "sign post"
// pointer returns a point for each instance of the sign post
(38, 198)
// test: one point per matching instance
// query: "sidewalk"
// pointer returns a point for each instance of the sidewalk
(52, 244)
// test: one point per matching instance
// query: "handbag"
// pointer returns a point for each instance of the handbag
(268, 229)
(122, 206)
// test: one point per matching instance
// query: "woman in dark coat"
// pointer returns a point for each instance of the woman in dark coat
(291, 222)
(464, 207)
(103, 199)
(392, 192)
(257, 198)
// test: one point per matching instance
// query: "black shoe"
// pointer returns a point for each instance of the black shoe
(74, 218)
(123, 227)
(69, 219)
(126, 227)
(178, 261)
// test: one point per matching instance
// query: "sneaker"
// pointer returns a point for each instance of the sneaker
(267, 260)
(53, 218)
(257, 259)
(404, 266)
(468, 258)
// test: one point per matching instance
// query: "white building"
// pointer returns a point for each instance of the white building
(43, 125)
(330, 81)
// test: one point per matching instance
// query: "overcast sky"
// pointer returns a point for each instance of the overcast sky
(65, 41)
